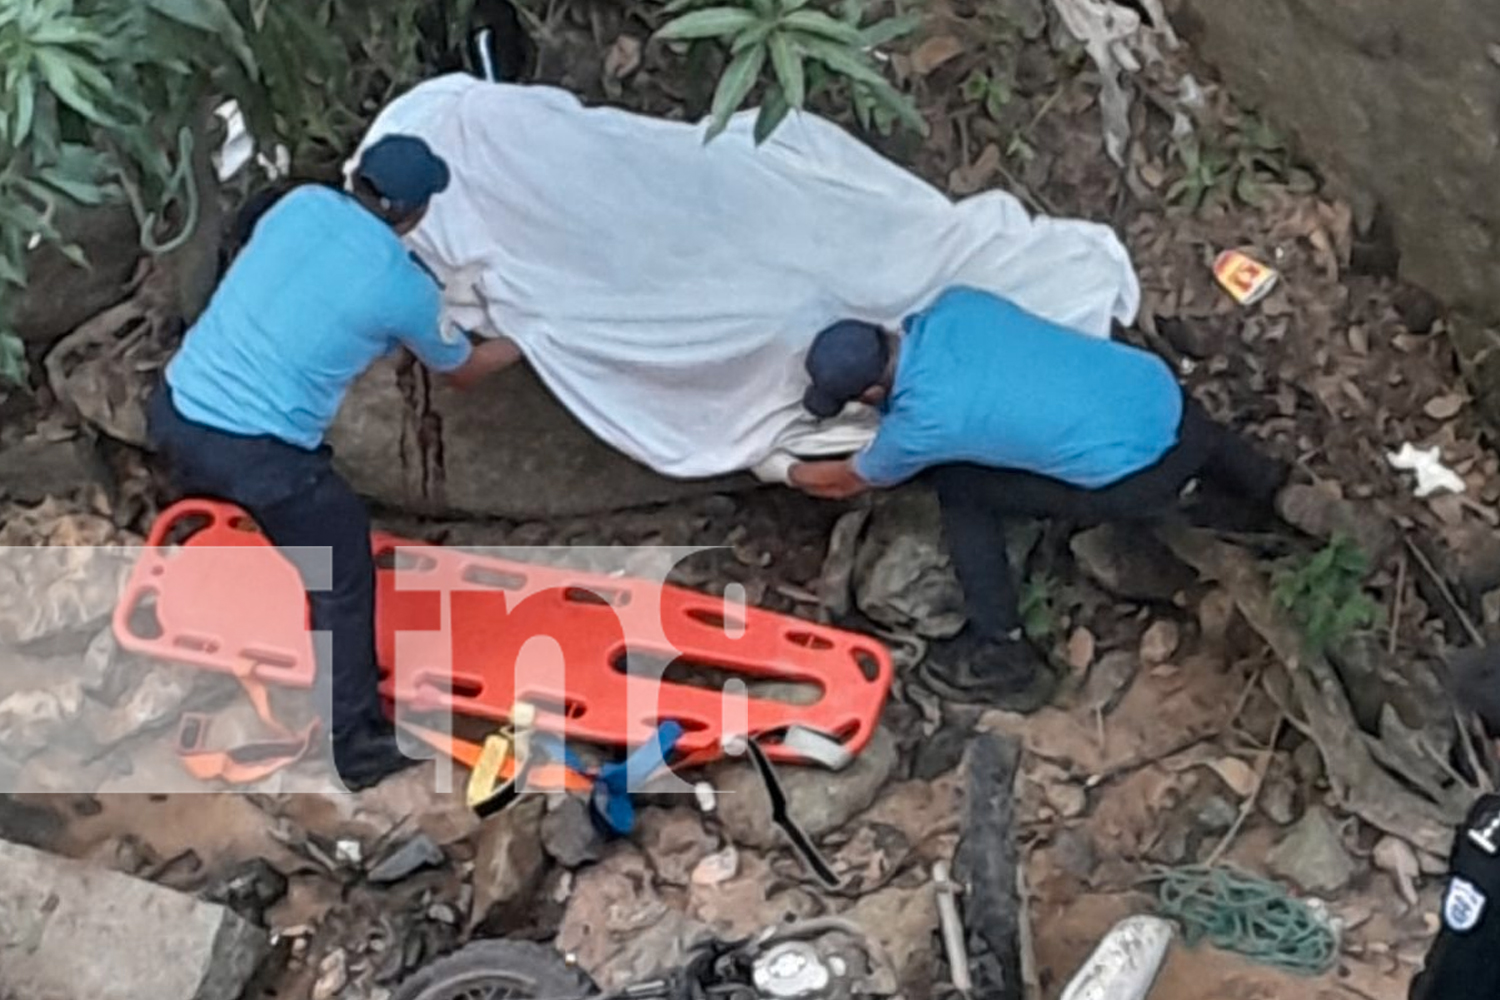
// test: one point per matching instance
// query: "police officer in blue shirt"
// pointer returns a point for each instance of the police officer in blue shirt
(322, 289)
(1007, 414)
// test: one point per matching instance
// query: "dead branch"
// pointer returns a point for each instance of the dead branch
(1362, 786)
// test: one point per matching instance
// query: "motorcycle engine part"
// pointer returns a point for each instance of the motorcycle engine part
(791, 969)
(498, 970)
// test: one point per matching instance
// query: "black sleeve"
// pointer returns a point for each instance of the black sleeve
(1464, 962)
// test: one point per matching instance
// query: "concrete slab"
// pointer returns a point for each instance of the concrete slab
(70, 931)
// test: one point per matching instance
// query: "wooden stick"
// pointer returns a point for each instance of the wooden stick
(1442, 585)
(1396, 600)
(1262, 768)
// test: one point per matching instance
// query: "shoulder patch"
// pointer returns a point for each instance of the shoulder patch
(1484, 826)
(1463, 905)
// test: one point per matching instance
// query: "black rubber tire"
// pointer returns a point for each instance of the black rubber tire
(497, 969)
(987, 861)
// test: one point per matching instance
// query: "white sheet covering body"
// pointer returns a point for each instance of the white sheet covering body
(667, 290)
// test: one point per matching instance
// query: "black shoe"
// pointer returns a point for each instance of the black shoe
(367, 757)
(1005, 673)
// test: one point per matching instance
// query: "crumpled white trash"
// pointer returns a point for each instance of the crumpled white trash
(1125, 964)
(1427, 463)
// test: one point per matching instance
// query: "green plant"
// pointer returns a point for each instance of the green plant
(13, 367)
(797, 49)
(1324, 593)
(1233, 164)
(1038, 606)
(105, 102)
(990, 92)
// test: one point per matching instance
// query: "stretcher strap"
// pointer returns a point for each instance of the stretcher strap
(249, 762)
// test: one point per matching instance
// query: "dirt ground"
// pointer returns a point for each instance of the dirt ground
(1178, 737)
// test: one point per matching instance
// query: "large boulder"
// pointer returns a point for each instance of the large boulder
(59, 294)
(69, 931)
(1398, 103)
(505, 448)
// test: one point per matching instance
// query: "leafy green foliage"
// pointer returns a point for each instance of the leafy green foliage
(989, 92)
(1325, 595)
(1232, 165)
(103, 101)
(13, 365)
(1038, 603)
(795, 50)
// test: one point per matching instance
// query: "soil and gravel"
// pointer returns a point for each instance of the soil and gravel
(1189, 728)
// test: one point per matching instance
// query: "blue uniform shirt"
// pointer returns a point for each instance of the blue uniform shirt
(321, 291)
(981, 380)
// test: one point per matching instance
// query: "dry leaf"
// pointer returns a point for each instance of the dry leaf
(1238, 775)
(1159, 643)
(623, 58)
(967, 180)
(1444, 407)
(934, 52)
(1081, 647)
(1397, 858)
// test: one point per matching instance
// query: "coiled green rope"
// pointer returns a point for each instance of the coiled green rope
(1246, 915)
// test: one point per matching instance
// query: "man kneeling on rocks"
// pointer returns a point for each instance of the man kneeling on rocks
(1009, 415)
(323, 288)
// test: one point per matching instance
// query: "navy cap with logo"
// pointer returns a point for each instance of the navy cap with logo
(404, 170)
(845, 359)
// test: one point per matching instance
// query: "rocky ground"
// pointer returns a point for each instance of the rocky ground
(1195, 723)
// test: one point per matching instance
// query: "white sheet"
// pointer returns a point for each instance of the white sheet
(666, 290)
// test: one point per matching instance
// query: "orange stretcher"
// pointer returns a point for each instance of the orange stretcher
(478, 635)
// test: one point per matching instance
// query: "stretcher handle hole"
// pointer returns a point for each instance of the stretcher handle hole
(842, 735)
(808, 640)
(183, 528)
(274, 660)
(869, 664)
(687, 672)
(496, 579)
(546, 704)
(241, 523)
(457, 685)
(403, 559)
(688, 725)
(716, 620)
(601, 596)
(143, 620)
(195, 643)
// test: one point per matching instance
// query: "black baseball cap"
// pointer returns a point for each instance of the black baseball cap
(404, 170)
(845, 359)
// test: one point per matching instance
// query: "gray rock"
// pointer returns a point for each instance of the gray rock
(902, 575)
(836, 582)
(1312, 854)
(569, 834)
(1130, 563)
(504, 448)
(249, 889)
(155, 701)
(33, 469)
(1216, 814)
(72, 932)
(1342, 77)
(904, 923)
(509, 865)
(38, 718)
(53, 593)
(1278, 800)
(819, 801)
(620, 928)
(1307, 761)
(60, 294)
(411, 857)
(675, 841)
